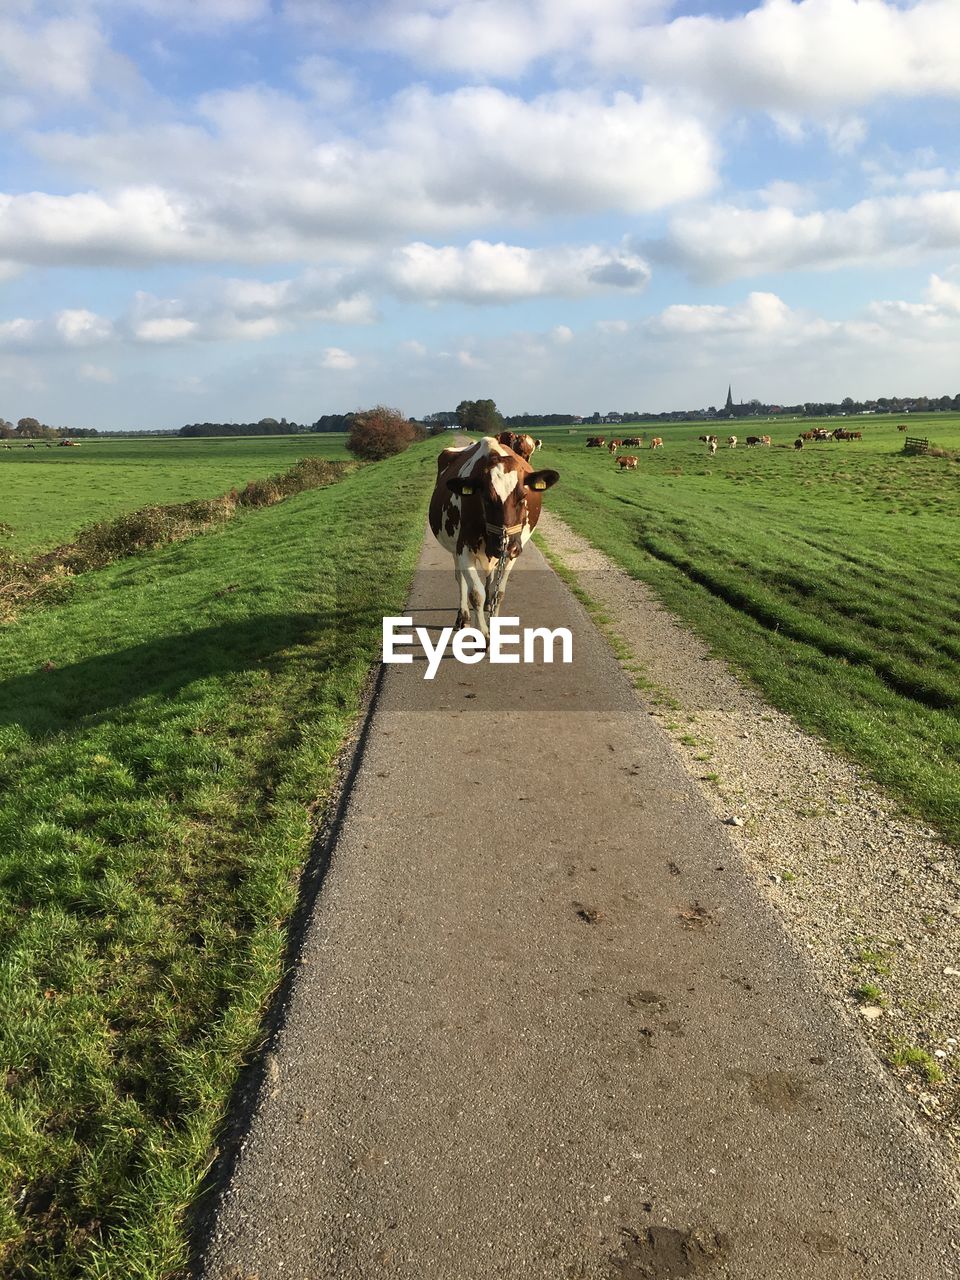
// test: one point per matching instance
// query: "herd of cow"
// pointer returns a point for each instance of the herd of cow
(629, 462)
(61, 444)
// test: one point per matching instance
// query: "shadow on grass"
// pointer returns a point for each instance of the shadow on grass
(51, 699)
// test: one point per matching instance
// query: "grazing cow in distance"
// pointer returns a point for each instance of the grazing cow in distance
(537, 444)
(30, 445)
(485, 505)
(752, 440)
(903, 427)
(596, 442)
(798, 443)
(656, 442)
(627, 462)
(613, 446)
(708, 439)
(633, 442)
(712, 446)
(766, 440)
(732, 441)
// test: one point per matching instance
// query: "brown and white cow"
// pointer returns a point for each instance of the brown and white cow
(522, 444)
(485, 506)
(627, 462)
(656, 442)
(732, 441)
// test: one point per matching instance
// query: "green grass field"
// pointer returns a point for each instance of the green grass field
(828, 576)
(166, 740)
(46, 495)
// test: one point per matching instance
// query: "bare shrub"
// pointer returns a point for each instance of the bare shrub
(378, 433)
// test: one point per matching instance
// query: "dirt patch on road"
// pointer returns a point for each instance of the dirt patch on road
(664, 1253)
(873, 893)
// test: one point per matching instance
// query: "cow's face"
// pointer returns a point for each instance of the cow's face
(502, 491)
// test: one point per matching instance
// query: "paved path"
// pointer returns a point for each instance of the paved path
(545, 1027)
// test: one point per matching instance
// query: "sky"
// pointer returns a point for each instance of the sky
(221, 210)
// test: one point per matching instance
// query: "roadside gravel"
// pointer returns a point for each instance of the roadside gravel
(873, 893)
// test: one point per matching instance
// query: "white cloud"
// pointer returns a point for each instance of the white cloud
(788, 195)
(805, 59)
(136, 224)
(80, 328)
(561, 334)
(260, 179)
(468, 360)
(495, 38)
(17, 332)
(484, 272)
(845, 136)
(944, 294)
(337, 358)
(759, 317)
(812, 57)
(722, 242)
(918, 170)
(97, 373)
(164, 329)
(66, 57)
(328, 82)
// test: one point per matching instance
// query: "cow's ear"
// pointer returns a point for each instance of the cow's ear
(541, 479)
(462, 485)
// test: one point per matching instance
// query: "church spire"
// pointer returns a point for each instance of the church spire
(729, 404)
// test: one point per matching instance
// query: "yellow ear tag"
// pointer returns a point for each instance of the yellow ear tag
(466, 490)
(539, 484)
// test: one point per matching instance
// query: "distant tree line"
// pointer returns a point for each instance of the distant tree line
(484, 417)
(34, 429)
(808, 409)
(265, 427)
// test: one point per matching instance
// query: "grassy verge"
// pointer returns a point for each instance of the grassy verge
(45, 576)
(825, 577)
(47, 494)
(166, 735)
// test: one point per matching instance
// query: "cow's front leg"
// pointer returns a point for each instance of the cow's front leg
(463, 613)
(476, 593)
